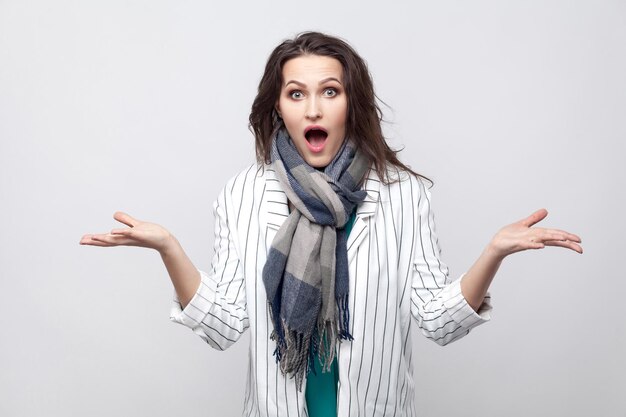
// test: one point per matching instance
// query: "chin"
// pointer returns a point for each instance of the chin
(318, 163)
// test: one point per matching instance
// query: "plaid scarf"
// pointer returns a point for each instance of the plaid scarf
(306, 273)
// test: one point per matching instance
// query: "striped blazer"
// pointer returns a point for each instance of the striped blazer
(395, 274)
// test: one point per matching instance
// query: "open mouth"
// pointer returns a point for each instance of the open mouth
(316, 137)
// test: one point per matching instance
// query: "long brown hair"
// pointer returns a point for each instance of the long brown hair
(363, 124)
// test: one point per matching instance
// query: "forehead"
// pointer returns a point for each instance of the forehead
(312, 67)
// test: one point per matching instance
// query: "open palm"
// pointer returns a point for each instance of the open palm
(139, 233)
(521, 236)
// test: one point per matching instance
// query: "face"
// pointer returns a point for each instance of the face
(314, 107)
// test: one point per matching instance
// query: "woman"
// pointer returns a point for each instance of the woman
(326, 248)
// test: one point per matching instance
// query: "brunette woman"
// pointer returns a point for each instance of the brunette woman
(326, 250)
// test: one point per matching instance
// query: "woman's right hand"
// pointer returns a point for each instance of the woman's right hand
(139, 233)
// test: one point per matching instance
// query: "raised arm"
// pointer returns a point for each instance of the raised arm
(212, 304)
(218, 310)
(184, 275)
(437, 303)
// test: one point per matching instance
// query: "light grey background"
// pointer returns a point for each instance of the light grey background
(142, 106)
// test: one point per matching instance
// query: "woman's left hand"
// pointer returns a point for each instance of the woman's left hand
(521, 236)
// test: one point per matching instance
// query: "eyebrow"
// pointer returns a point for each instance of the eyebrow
(325, 80)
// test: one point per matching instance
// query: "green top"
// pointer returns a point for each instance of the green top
(321, 388)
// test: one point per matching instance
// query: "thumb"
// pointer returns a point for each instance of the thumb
(125, 218)
(534, 218)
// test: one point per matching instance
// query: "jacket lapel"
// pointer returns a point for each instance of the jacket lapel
(274, 208)
(365, 210)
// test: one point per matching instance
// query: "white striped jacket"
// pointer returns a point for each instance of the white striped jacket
(395, 274)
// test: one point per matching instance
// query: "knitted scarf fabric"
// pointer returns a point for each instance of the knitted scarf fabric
(306, 273)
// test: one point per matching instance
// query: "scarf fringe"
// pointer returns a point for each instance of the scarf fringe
(296, 351)
(344, 318)
(277, 335)
(293, 352)
(326, 344)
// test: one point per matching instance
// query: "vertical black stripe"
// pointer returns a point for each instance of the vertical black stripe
(349, 373)
(266, 359)
(388, 282)
(408, 283)
(256, 330)
(393, 223)
(243, 190)
(236, 229)
(410, 266)
(396, 309)
(369, 379)
(229, 239)
(401, 221)
(367, 286)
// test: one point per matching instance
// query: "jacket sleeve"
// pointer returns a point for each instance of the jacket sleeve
(218, 312)
(437, 304)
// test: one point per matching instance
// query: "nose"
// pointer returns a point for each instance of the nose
(313, 110)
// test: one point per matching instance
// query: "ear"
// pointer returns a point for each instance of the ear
(277, 109)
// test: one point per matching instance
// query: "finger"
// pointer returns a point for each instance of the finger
(125, 218)
(110, 240)
(124, 232)
(89, 240)
(98, 243)
(86, 239)
(565, 244)
(534, 218)
(548, 234)
(558, 235)
(568, 235)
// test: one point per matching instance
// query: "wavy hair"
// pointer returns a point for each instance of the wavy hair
(363, 122)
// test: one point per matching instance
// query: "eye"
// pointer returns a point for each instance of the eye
(296, 94)
(330, 92)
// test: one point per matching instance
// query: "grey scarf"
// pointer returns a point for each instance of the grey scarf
(306, 273)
